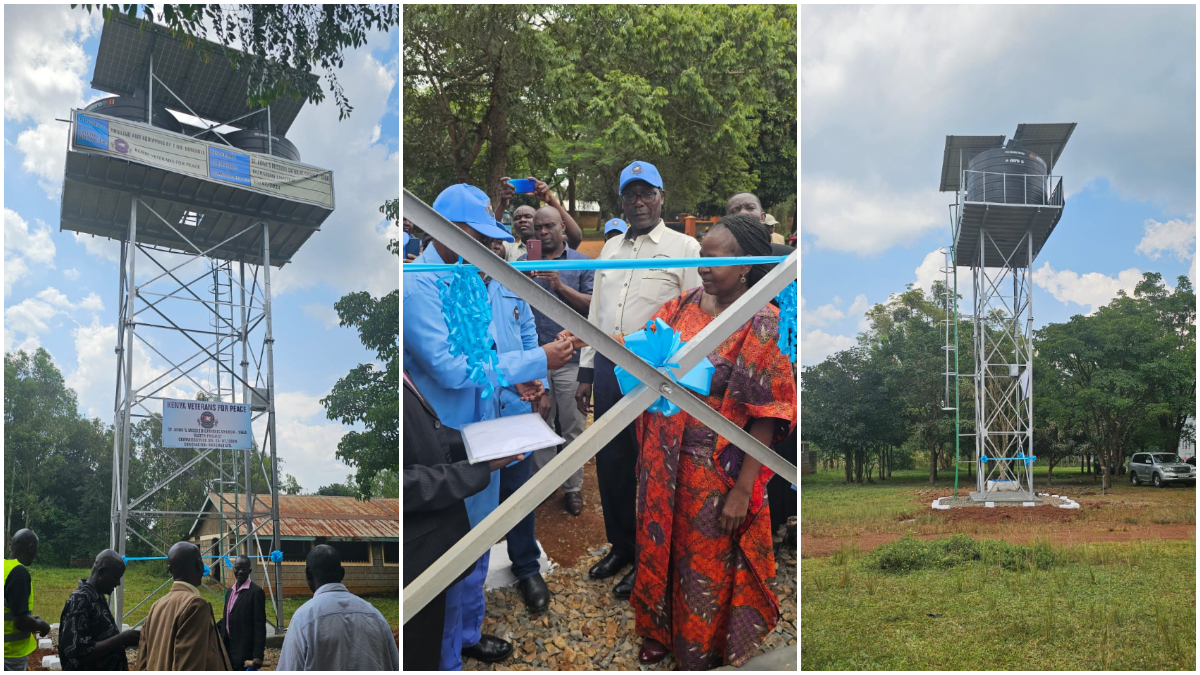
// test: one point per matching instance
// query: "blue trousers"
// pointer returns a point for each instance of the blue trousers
(464, 616)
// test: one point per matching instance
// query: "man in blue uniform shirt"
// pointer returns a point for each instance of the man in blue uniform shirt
(456, 398)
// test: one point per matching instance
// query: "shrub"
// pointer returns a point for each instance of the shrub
(910, 554)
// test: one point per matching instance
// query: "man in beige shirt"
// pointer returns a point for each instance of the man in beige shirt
(622, 302)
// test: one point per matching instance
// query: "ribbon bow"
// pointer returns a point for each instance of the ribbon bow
(468, 314)
(656, 345)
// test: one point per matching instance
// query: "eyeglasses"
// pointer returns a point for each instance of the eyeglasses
(646, 197)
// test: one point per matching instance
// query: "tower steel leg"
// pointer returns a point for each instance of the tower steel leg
(269, 340)
(125, 430)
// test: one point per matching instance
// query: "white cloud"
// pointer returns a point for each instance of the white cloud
(350, 252)
(930, 270)
(1092, 290)
(815, 345)
(322, 314)
(92, 376)
(45, 150)
(34, 316)
(821, 316)
(307, 440)
(882, 86)
(1177, 237)
(44, 71)
(854, 217)
(71, 274)
(24, 249)
(44, 61)
(99, 247)
(858, 309)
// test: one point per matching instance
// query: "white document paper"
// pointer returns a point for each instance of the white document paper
(507, 436)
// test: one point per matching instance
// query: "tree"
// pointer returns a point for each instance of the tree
(367, 394)
(39, 410)
(1121, 366)
(585, 89)
(906, 334)
(338, 490)
(279, 45)
(290, 485)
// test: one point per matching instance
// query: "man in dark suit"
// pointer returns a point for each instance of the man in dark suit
(437, 477)
(244, 626)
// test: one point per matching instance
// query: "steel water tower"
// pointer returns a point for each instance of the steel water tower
(1007, 202)
(202, 214)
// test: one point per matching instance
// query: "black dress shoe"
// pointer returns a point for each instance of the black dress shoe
(534, 591)
(489, 649)
(574, 503)
(625, 588)
(608, 566)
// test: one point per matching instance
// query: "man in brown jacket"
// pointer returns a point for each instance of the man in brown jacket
(180, 632)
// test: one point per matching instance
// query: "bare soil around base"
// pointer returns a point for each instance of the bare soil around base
(835, 516)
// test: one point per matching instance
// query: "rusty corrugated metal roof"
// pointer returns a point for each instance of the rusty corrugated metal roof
(320, 516)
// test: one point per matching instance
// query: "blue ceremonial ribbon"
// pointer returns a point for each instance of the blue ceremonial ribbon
(468, 315)
(275, 556)
(575, 265)
(787, 321)
(656, 345)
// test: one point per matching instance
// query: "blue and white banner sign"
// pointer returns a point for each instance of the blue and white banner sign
(229, 166)
(91, 132)
(206, 424)
(214, 162)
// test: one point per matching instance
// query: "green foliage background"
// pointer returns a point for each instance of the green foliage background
(707, 93)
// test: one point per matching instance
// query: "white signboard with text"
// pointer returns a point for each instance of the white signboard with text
(206, 424)
(218, 163)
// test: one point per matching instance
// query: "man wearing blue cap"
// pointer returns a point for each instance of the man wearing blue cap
(622, 302)
(445, 382)
(613, 228)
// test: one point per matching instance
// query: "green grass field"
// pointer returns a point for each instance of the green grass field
(52, 585)
(829, 507)
(1105, 605)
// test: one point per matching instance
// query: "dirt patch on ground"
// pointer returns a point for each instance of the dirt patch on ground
(591, 247)
(567, 538)
(1008, 514)
(820, 547)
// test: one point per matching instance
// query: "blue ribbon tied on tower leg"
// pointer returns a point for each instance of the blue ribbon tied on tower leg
(656, 345)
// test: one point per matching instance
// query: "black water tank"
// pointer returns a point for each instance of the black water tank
(133, 108)
(253, 140)
(1007, 175)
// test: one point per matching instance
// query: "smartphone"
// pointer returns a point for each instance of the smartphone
(533, 249)
(523, 186)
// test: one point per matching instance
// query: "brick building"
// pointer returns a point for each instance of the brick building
(367, 534)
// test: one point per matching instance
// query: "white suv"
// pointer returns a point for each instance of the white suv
(1160, 468)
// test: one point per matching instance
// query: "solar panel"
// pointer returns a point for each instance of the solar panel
(214, 90)
(1045, 140)
(963, 148)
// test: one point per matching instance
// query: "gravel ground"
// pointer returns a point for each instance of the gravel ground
(587, 628)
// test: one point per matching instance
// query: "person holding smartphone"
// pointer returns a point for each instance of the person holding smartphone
(523, 215)
(573, 287)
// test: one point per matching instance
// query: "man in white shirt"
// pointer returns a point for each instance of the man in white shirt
(336, 630)
(622, 302)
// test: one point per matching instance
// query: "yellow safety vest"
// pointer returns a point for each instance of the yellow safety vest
(17, 643)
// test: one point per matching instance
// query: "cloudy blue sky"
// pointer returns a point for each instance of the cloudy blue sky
(882, 87)
(60, 291)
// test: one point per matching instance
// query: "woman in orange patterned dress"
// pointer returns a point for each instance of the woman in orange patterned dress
(704, 551)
